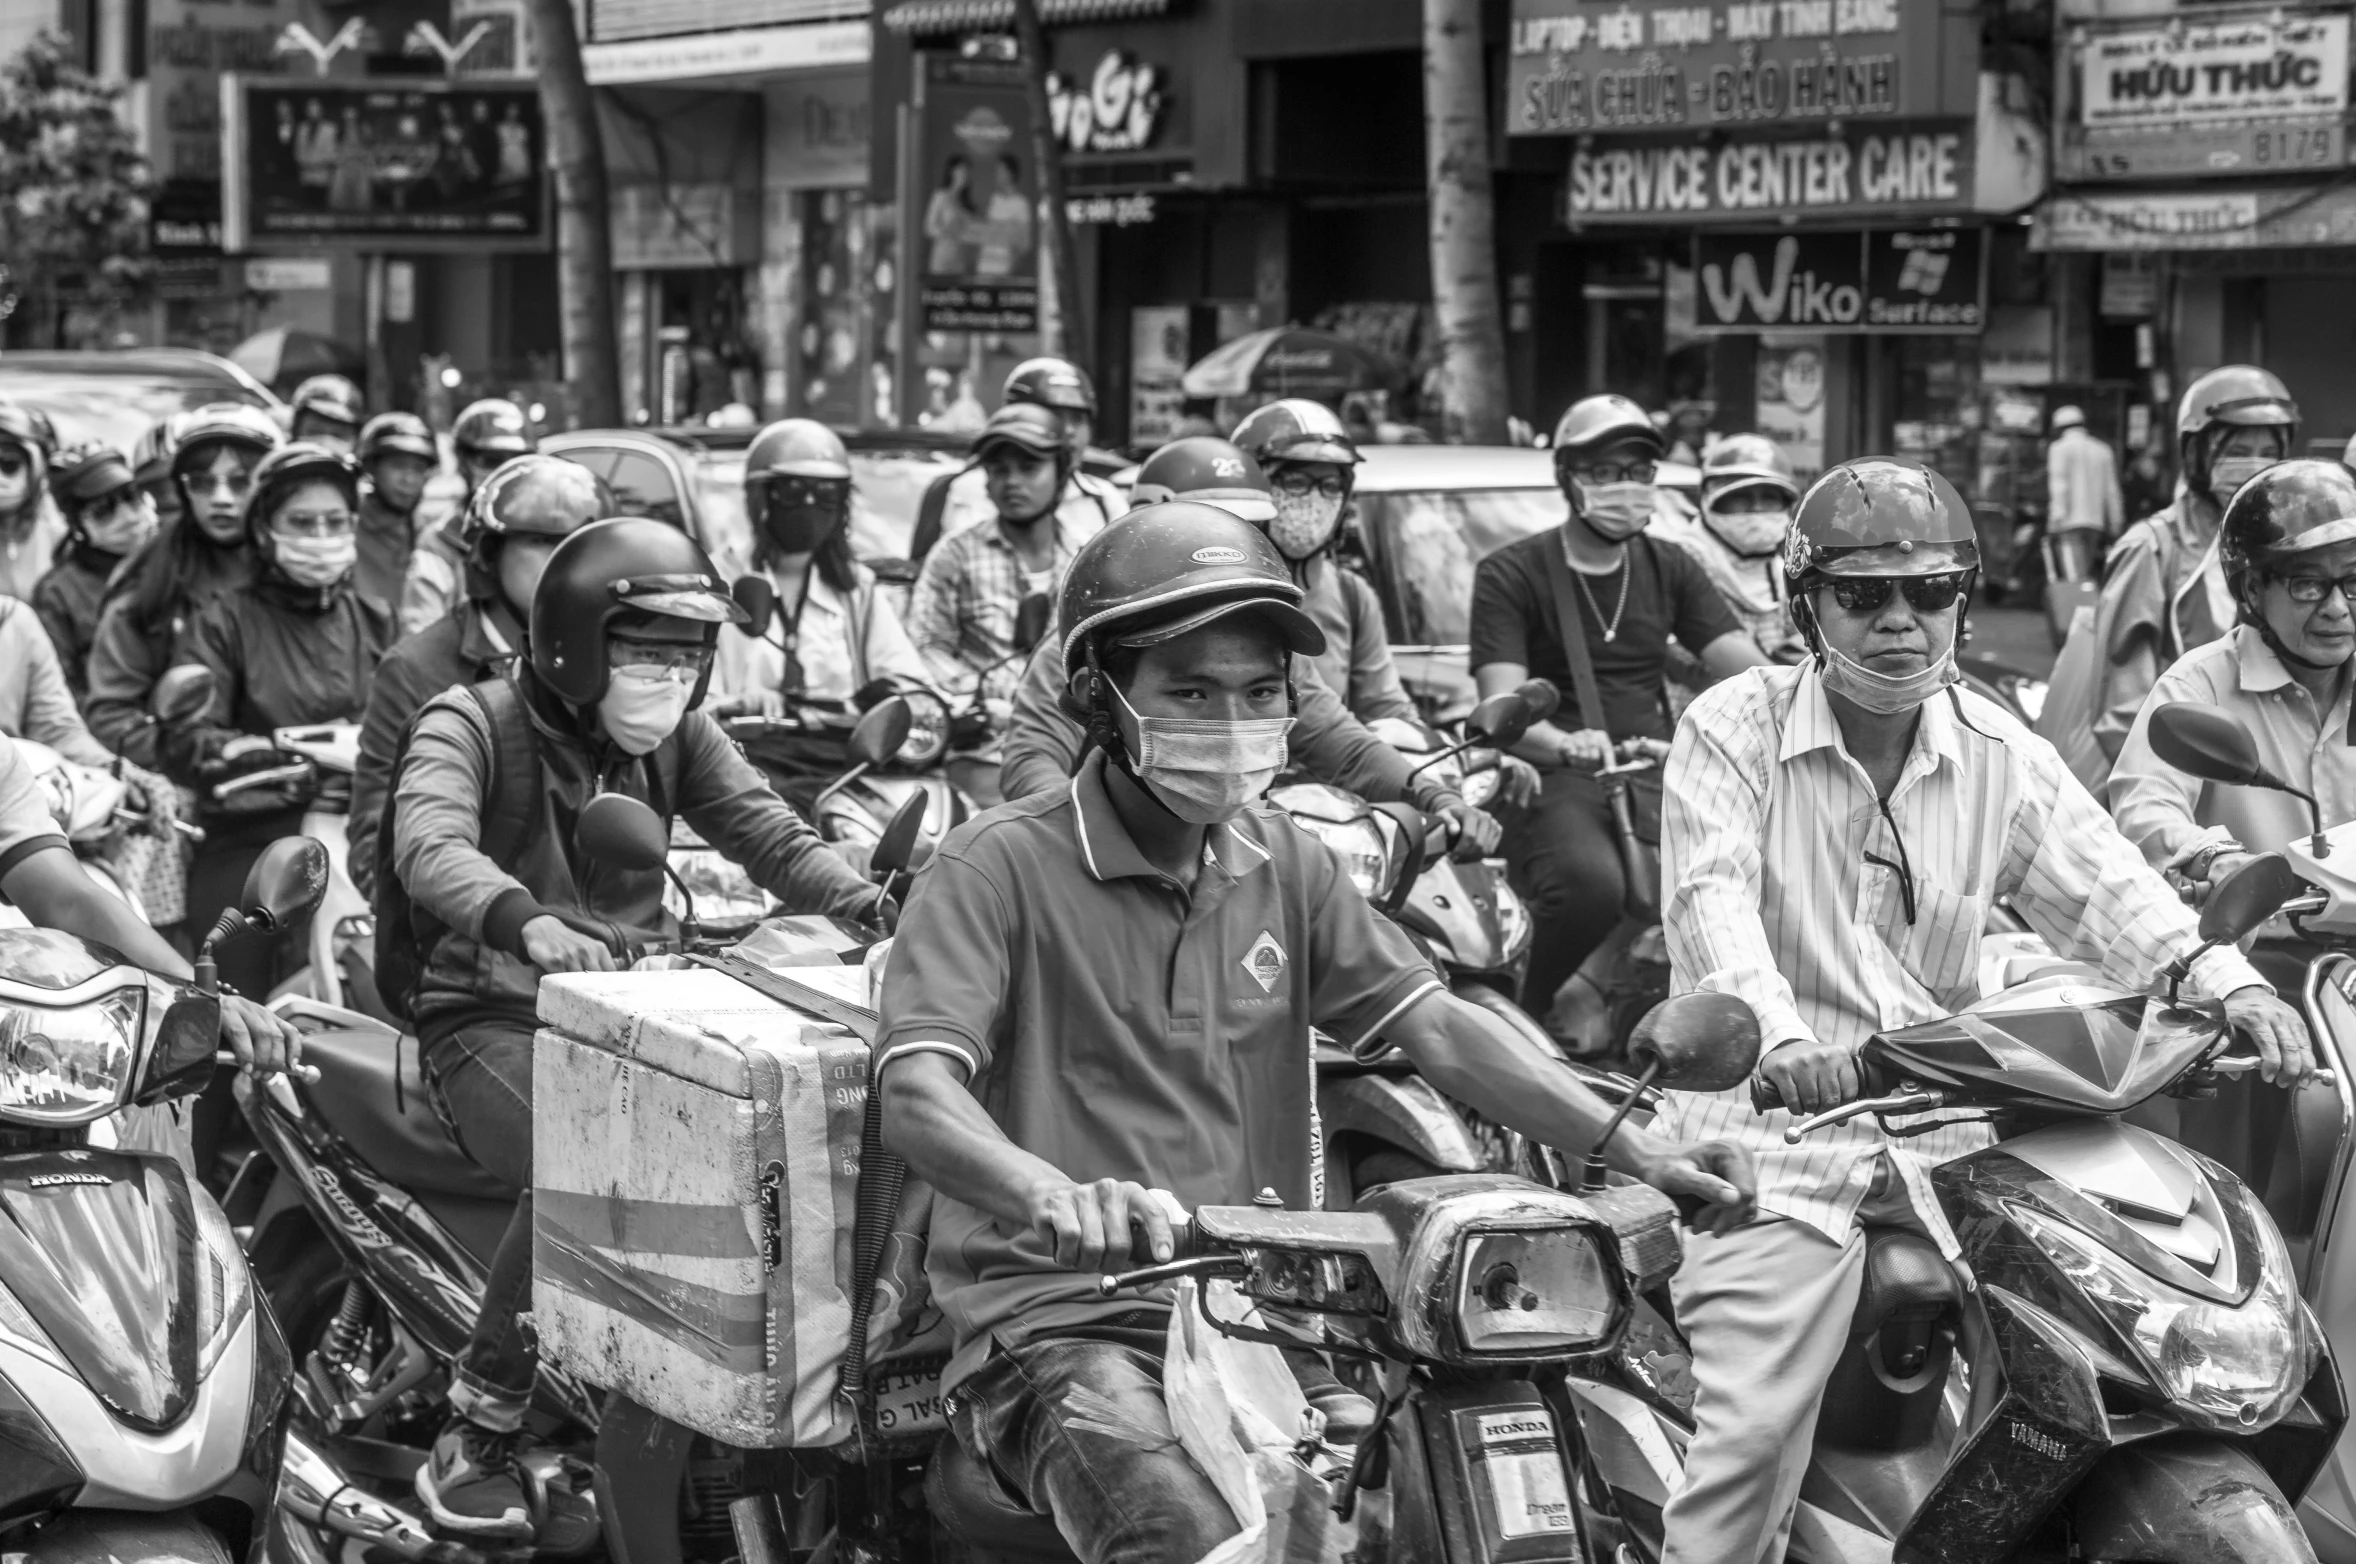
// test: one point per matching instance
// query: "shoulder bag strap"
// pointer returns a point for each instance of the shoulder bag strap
(1574, 635)
(1640, 871)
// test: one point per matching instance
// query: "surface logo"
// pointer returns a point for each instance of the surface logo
(1265, 962)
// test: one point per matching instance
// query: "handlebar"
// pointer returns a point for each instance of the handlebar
(308, 1074)
(269, 776)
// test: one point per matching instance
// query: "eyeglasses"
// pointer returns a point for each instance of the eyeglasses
(113, 503)
(236, 484)
(1931, 594)
(1299, 481)
(2313, 589)
(1617, 472)
(312, 524)
(657, 659)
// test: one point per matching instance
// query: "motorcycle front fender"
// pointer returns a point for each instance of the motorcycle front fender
(2186, 1499)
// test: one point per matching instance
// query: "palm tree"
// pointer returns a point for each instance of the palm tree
(1464, 224)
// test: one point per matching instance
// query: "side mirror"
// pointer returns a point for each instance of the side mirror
(2204, 742)
(881, 732)
(898, 843)
(1030, 619)
(182, 693)
(758, 599)
(2248, 897)
(619, 832)
(186, 1044)
(285, 883)
(1697, 1043)
(1501, 720)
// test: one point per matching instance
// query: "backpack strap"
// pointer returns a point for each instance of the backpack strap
(929, 511)
(513, 796)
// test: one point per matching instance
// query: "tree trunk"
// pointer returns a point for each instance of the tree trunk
(584, 231)
(1071, 309)
(1464, 224)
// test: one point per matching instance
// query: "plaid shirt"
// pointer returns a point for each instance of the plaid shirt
(962, 614)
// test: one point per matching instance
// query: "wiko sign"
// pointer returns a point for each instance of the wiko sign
(1903, 280)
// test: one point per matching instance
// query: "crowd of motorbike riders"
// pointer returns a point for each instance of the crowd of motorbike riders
(1824, 820)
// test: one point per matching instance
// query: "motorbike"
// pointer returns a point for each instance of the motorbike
(2121, 1369)
(142, 1385)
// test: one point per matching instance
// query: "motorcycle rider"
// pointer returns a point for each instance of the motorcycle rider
(108, 518)
(1034, 954)
(839, 643)
(1045, 739)
(397, 455)
(1835, 836)
(196, 559)
(2289, 552)
(1746, 503)
(511, 526)
(1634, 593)
(151, 468)
(488, 435)
(962, 499)
(30, 529)
(2164, 591)
(623, 624)
(327, 412)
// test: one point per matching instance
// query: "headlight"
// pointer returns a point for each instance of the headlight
(1513, 922)
(2232, 1369)
(1535, 1291)
(71, 1064)
(928, 731)
(224, 1287)
(1480, 787)
(1365, 853)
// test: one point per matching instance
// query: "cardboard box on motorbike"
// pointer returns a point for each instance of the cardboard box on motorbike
(695, 1184)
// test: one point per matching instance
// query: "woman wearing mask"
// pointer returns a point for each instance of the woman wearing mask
(835, 646)
(1747, 499)
(151, 601)
(108, 518)
(29, 526)
(294, 645)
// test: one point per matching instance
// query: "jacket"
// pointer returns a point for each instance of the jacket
(2163, 594)
(68, 599)
(1356, 663)
(2082, 485)
(34, 701)
(438, 802)
(386, 538)
(466, 647)
(127, 655)
(435, 580)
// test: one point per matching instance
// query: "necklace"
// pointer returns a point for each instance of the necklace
(1611, 627)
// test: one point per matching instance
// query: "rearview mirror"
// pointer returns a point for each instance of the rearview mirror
(1697, 1043)
(2248, 897)
(2202, 741)
(619, 832)
(1500, 721)
(187, 1042)
(285, 883)
(1030, 619)
(182, 693)
(881, 732)
(758, 599)
(898, 843)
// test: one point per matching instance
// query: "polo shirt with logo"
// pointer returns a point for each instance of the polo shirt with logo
(1121, 1027)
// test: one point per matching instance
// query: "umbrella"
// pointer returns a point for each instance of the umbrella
(1289, 361)
(285, 355)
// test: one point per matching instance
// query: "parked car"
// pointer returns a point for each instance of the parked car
(117, 397)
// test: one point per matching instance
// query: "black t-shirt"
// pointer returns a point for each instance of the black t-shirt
(1514, 621)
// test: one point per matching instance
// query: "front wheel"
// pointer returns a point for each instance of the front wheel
(2185, 1499)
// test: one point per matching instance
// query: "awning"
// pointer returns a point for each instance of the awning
(929, 18)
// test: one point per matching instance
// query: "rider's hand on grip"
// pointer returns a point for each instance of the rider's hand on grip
(1810, 1075)
(553, 946)
(1105, 1225)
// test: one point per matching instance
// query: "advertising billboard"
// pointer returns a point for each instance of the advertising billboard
(1915, 281)
(975, 233)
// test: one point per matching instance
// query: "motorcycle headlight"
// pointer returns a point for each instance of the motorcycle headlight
(69, 1064)
(1365, 852)
(1541, 1290)
(1480, 787)
(2233, 1369)
(928, 731)
(224, 1286)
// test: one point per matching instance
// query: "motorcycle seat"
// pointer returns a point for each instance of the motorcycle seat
(1907, 1280)
(395, 1131)
(967, 1497)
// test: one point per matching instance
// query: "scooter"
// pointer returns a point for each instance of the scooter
(2123, 1368)
(142, 1387)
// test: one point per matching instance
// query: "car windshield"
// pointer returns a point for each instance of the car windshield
(1429, 541)
(117, 409)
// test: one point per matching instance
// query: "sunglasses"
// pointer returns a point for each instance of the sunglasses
(13, 462)
(1931, 594)
(2314, 589)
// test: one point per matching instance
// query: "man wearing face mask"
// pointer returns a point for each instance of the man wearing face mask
(108, 518)
(511, 526)
(1151, 932)
(30, 529)
(1629, 593)
(1747, 498)
(1835, 838)
(2164, 590)
(397, 456)
(489, 782)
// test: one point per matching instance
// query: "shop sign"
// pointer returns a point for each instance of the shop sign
(1110, 211)
(975, 197)
(1118, 108)
(2220, 220)
(818, 128)
(1925, 280)
(289, 274)
(2205, 93)
(1789, 405)
(1575, 66)
(1157, 363)
(1857, 170)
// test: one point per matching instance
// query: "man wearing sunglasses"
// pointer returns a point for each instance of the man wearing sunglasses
(1834, 836)
(2289, 546)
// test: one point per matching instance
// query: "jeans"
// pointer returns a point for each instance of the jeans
(1077, 1427)
(1562, 856)
(480, 1073)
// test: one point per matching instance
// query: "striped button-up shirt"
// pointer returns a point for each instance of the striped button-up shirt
(1788, 884)
(962, 613)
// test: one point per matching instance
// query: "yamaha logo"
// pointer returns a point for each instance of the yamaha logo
(1219, 554)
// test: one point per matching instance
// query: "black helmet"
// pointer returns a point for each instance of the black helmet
(302, 462)
(535, 496)
(2287, 510)
(1296, 430)
(331, 397)
(1595, 424)
(85, 473)
(622, 565)
(1036, 429)
(1207, 469)
(389, 434)
(1163, 570)
(493, 426)
(1051, 382)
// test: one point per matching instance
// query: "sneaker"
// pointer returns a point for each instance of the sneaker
(470, 1484)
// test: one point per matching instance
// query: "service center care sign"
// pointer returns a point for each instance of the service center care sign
(1859, 170)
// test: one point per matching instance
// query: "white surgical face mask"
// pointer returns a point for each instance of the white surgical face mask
(1754, 534)
(641, 709)
(2228, 473)
(1205, 772)
(1304, 523)
(1886, 693)
(1616, 510)
(316, 562)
